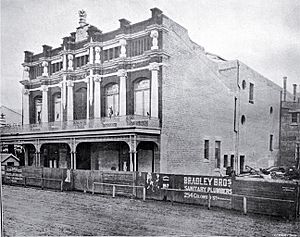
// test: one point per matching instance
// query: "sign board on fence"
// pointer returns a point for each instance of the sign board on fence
(13, 174)
(195, 188)
(198, 187)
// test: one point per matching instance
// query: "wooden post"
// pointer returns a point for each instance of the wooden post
(87, 184)
(144, 193)
(172, 200)
(93, 188)
(134, 192)
(42, 183)
(297, 206)
(245, 205)
(24, 181)
(62, 180)
(208, 205)
(114, 191)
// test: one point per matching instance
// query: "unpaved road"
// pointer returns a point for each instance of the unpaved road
(29, 212)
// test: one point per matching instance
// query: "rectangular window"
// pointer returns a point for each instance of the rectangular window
(297, 155)
(242, 164)
(10, 163)
(206, 149)
(234, 115)
(225, 165)
(271, 143)
(217, 154)
(232, 161)
(251, 93)
(294, 118)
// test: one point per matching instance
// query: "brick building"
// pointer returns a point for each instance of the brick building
(144, 97)
(290, 127)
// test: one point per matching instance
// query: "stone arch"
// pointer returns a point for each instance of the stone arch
(55, 155)
(141, 88)
(29, 154)
(37, 108)
(56, 107)
(111, 99)
(80, 102)
(110, 155)
(147, 156)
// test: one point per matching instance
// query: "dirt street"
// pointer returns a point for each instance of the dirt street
(29, 211)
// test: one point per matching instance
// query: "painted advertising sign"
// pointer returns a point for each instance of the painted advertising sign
(13, 174)
(198, 187)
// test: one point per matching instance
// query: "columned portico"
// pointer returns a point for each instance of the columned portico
(133, 153)
(122, 74)
(63, 91)
(154, 68)
(70, 85)
(45, 104)
(26, 106)
(97, 101)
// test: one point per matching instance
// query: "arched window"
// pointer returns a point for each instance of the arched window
(38, 109)
(142, 97)
(80, 106)
(112, 100)
(57, 103)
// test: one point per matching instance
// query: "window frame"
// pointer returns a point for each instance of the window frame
(271, 142)
(143, 90)
(294, 117)
(218, 154)
(251, 93)
(206, 149)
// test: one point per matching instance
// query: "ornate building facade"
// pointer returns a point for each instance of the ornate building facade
(144, 97)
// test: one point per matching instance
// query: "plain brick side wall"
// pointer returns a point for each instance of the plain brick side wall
(198, 104)
(260, 122)
(290, 133)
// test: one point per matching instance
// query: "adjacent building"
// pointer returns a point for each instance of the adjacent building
(9, 117)
(144, 97)
(290, 128)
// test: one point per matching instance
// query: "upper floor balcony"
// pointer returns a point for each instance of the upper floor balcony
(129, 121)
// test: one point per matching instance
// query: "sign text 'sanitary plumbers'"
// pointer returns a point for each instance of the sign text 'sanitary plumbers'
(199, 186)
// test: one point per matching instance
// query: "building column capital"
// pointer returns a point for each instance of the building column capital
(97, 78)
(154, 66)
(44, 88)
(122, 73)
(26, 92)
(70, 83)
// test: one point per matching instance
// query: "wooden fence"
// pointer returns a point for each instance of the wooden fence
(270, 197)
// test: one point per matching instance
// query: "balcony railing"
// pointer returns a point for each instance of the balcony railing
(113, 122)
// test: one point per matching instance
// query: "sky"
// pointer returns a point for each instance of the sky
(264, 34)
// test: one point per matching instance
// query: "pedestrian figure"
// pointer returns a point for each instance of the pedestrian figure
(110, 112)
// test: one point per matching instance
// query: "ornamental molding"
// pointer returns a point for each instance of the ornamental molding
(122, 73)
(26, 92)
(70, 83)
(97, 78)
(44, 88)
(154, 66)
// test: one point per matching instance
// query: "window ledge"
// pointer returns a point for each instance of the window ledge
(206, 160)
(294, 124)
